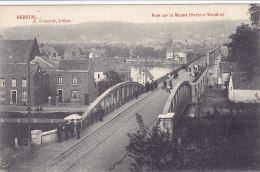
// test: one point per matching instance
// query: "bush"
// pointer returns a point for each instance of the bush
(150, 149)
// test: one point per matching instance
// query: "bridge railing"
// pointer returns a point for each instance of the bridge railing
(110, 100)
(179, 98)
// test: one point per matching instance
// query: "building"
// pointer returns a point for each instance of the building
(170, 53)
(14, 84)
(119, 65)
(95, 53)
(140, 76)
(225, 71)
(18, 51)
(75, 81)
(15, 56)
(71, 53)
(50, 74)
(243, 90)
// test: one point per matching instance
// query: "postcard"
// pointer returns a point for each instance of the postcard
(129, 87)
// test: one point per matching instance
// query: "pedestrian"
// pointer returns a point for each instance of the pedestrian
(66, 130)
(78, 128)
(152, 85)
(59, 132)
(72, 126)
(100, 113)
(155, 84)
(147, 86)
(170, 83)
(136, 94)
(164, 84)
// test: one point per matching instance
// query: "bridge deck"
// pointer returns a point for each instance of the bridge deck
(102, 144)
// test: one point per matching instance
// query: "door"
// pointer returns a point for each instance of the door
(60, 95)
(14, 96)
(86, 99)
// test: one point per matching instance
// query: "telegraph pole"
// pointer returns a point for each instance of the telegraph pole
(29, 105)
(145, 69)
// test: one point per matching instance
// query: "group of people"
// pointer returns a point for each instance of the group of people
(69, 127)
(151, 86)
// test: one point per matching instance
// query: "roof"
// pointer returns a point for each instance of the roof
(17, 51)
(227, 67)
(110, 63)
(45, 60)
(170, 50)
(242, 82)
(17, 68)
(76, 64)
(97, 51)
(78, 56)
(100, 64)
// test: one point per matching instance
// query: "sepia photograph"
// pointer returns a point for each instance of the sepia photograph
(145, 87)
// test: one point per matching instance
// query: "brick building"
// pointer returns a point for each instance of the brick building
(50, 74)
(75, 81)
(18, 51)
(14, 84)
(15, 56)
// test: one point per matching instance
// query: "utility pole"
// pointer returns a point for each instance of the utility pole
(29, 105)
(145, 69)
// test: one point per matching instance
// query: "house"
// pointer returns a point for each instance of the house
(140, 75)
(15, 56)
(14, 84)
(96, 53)
(242, 89)
(18, 51)
(75, 81)
(71, 52)
(170, 53)
(50, 74)
(225, 71)
(119, 65)
(49, 52)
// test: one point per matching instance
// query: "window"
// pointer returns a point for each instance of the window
(24, 82)
(2, 95)
(60, 79)
(74, 79)
(2, 82)
(98, 75)
(14, 82)
(24, 95)
(75, 94)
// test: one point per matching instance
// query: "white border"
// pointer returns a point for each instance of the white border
(49, 2)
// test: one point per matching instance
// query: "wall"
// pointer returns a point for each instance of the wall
(101, 76)
(245, 96)
(198, 86)
(85, 86)
(19, 88)
(49, 136)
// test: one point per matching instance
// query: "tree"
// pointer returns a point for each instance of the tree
(150, 149)
(244, 46)
(111, 78)
(254, 14)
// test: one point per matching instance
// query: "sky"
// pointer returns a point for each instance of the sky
(75, 14)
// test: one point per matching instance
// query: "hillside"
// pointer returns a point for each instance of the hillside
(130, 33)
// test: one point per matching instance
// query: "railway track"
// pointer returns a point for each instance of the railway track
(70, 157)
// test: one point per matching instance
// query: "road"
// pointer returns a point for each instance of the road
(101, 150)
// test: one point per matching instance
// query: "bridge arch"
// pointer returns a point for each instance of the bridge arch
(179, 99)
(110, 100)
